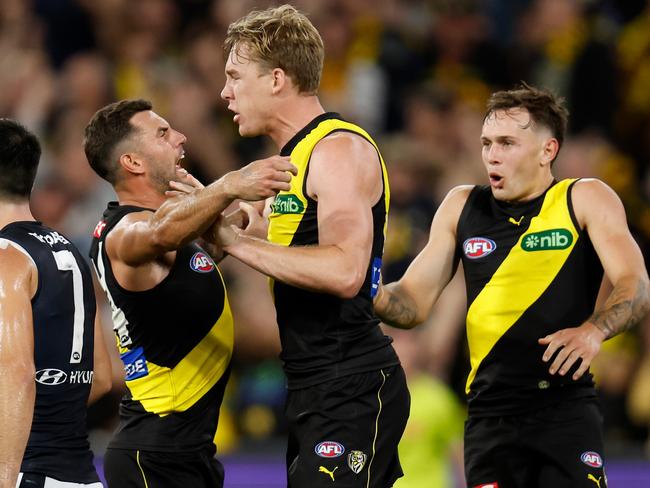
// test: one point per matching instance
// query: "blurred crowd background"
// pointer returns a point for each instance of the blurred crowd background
(416, 74)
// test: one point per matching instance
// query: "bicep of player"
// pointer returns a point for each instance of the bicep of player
(601, 212)
(18, 282)
(345, 177)
(17, 287)
(134, 241)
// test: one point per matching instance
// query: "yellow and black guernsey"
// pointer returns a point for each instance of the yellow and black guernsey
(175, 341)
(530, 270)
(325, 337)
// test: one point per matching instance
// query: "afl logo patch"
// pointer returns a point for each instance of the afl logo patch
(51, 376)
(201, 263)
(591, 458)
(478, 247)
(329, 449)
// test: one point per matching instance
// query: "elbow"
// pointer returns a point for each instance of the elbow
(28, 374)
(164, 240)
(102, 385)
(349, 284)
(20, 372)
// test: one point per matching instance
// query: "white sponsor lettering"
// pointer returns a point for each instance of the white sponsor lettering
(81, 377)
(50, 238)
(138, 366)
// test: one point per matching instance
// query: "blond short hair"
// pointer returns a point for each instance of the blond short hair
(280, 37)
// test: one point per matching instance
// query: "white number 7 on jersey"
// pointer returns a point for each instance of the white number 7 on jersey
(65, 261)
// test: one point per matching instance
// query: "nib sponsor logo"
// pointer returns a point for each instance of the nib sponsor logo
(287, 204)
(548, 240)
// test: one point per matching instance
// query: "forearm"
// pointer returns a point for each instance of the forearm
(396, 308)
(16, 411)
(216, 253)
(323, 269)
(182, 219)
(627, 304)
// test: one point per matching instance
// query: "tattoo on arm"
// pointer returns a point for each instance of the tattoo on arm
(622, 311)
(398, 311)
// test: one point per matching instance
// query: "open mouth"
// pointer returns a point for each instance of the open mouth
(496, 179)
(178, 161)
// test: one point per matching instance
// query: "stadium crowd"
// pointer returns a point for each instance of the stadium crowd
(416, 73)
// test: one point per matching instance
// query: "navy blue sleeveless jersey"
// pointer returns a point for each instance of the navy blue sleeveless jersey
(63, 311)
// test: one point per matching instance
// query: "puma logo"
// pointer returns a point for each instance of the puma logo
(516, 222)
(593, 478)
(323, 469)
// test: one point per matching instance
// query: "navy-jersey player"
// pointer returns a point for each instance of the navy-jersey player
(50, 363)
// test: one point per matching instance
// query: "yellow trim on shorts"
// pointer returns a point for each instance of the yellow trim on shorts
(137, 459)
(374, 440)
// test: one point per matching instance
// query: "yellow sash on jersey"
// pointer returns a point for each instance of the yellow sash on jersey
(167, 390)
(521, 279)
(290, 205)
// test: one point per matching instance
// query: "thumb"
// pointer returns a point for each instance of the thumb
(545, 340)
(248, 209)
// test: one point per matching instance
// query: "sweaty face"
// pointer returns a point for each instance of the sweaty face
(514, 155)
(247, 91)
(159, 146)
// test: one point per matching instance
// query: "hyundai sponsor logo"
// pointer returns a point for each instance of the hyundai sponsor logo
(51, 376)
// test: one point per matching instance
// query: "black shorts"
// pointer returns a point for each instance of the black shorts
(347, 431)
(125, 468)
(560, 446)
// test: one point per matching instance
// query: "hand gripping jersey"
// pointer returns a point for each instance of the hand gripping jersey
(63, 312)
(530, 270)
(175, 341)
(325, 337)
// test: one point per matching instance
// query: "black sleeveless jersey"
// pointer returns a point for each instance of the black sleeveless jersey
(325, 337)
(63, 312)
(175, 341)
(530, 270)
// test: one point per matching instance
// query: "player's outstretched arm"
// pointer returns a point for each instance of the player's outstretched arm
(141, 237)
(345, 178)
(600, 211)
(407, 302)
(18, 283)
